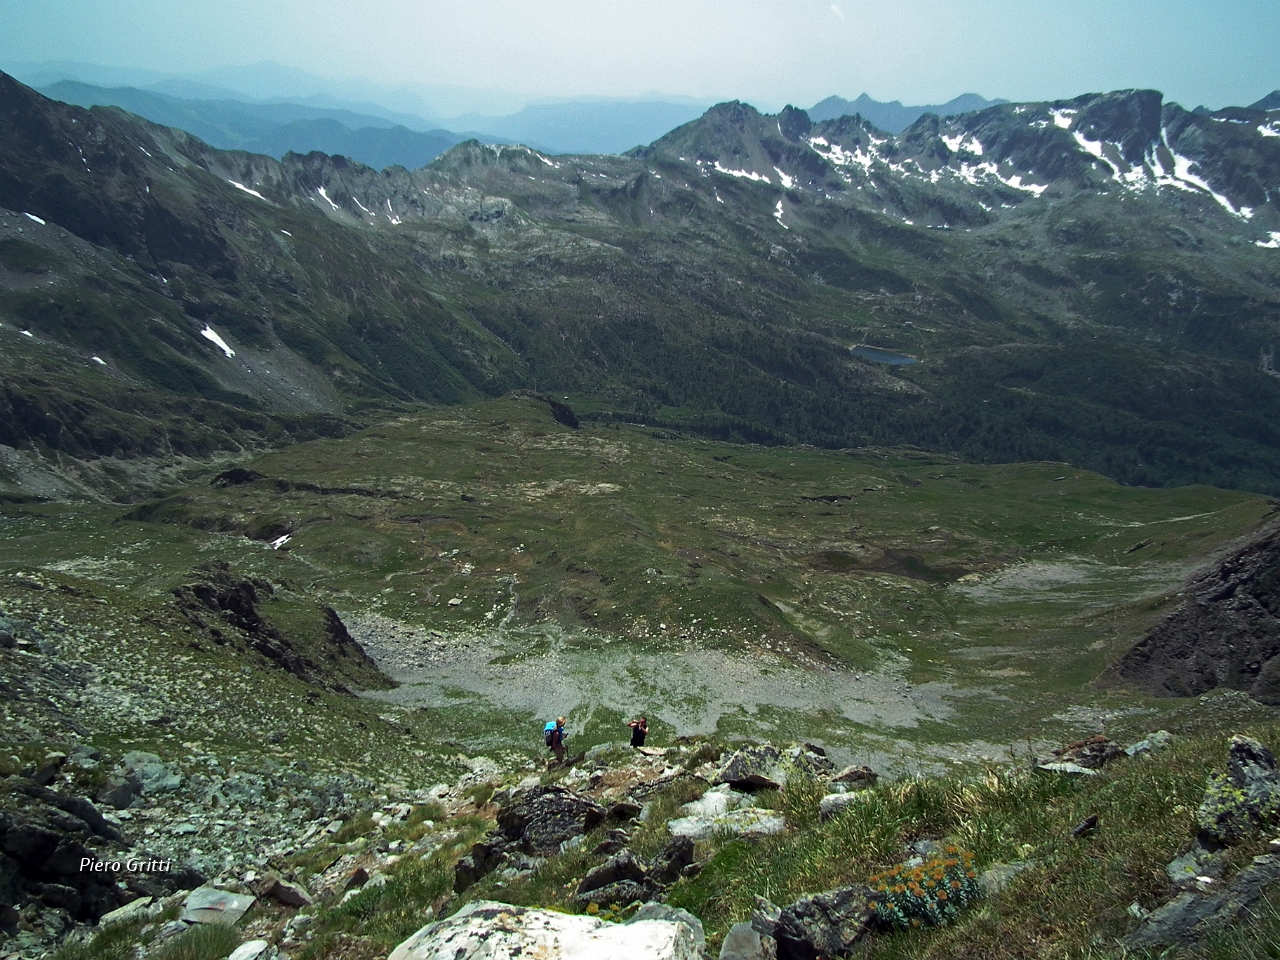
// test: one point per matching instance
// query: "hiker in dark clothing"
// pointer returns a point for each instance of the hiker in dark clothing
(555, 740)
(639, 730)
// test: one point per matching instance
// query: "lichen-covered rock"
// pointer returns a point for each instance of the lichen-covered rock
(1239, 804)
(485, 930)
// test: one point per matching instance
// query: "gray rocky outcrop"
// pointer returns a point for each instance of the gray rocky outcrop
(45, 837)
(1192, 916)
(536, 822)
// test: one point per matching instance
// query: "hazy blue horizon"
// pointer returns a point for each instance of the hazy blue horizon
(449, 58)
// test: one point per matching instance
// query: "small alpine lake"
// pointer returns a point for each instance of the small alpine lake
(880, 355)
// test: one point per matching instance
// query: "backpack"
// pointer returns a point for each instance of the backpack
(549, 732)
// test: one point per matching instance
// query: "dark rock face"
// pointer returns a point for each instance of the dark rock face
(542, 819)
(627, 865)
(485, 857)
(1225, 633)
(221, 600)
(670, 863)
(44, 836)
(825, 924)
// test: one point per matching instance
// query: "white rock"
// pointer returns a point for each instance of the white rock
(129, 911)
(250, 950)
(485, 930)
(834, 804)
(747, 822)
(210, 905)
(716, 801)
(1063, 766)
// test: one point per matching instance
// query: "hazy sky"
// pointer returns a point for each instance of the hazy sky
(768, 52)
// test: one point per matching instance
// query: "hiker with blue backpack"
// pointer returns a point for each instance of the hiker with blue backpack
(554, 736)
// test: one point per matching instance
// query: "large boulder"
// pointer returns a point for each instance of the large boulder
(538, 821)
(660, 911)
(823, 925)
(485, 930)
(44, 838)
(1190, 917)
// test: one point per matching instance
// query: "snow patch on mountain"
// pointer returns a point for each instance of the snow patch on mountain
(326, 198)
(210, 334)
(959, 144)
(841, 157)
(1063, 118)
(1270, 129)
(777, 215)
(32, 216)
(241, 186)
(1272, 244)
(747, 174)
(787, 181)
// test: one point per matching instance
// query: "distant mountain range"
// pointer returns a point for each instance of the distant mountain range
(1093, 280)
(576, 126)
(273, 129)
(893, 117)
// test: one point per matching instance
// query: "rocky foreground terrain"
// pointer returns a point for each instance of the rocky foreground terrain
(130, 849)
